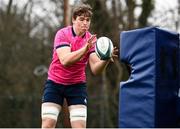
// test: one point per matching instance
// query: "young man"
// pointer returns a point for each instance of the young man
(73, 49)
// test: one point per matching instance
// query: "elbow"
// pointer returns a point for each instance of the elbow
(96, 72)
(65, 63)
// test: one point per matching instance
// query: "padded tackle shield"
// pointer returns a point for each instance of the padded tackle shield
(148, 99)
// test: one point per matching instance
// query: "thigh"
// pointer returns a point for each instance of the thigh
(49, 113)
(53, 93)
(76, 94)
(78, 116)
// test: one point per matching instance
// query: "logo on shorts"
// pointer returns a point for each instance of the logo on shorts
(85, 101)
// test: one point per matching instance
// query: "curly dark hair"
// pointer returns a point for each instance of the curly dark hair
(82, 10)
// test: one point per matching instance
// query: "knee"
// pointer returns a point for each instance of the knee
(48, 123)
(49, 114)
(78, 116)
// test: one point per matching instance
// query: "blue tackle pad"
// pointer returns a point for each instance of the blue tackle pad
(148, 99)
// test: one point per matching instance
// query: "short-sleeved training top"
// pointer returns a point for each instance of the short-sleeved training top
(74, 73)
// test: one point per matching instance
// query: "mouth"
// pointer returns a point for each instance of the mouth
(84, 27)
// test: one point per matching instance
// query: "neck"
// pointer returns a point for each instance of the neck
(77, 32)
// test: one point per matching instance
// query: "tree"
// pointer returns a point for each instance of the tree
(147, 7)
(25, 40)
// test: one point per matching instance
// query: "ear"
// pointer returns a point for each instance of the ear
(73, 20)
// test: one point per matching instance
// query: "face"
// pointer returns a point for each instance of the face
(81, 24)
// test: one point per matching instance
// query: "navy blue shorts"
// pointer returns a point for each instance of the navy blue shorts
(74, 94)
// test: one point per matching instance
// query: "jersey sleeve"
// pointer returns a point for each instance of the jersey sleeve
(61, 40)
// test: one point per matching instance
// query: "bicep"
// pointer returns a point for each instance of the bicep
(93, 59)
(62, 52)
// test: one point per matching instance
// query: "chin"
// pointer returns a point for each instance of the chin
(84, 30)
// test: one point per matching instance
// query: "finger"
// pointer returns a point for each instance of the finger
(94, 35)
(94, 42)
(115, 48)
(115, 51)
(92, 38)
(115, 56)
(112, 60)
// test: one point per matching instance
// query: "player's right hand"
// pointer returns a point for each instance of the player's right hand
(91, 41)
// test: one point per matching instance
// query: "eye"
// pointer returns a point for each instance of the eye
(81, 19)
(87, 19)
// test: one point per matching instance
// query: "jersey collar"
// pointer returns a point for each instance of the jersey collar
(74, 34)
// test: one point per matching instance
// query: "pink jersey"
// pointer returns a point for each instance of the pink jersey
(75, 73)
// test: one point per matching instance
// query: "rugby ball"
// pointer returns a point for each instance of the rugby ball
(104, 48)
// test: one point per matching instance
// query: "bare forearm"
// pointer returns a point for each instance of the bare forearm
(100, 66)
(68, 58)
(74, 57)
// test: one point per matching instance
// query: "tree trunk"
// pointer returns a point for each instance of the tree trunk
(66, 119)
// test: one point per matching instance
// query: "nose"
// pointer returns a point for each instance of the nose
(85, 22)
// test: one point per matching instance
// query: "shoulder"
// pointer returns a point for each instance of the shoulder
(66, 31)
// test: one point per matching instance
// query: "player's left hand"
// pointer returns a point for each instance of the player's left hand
(114, 54)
